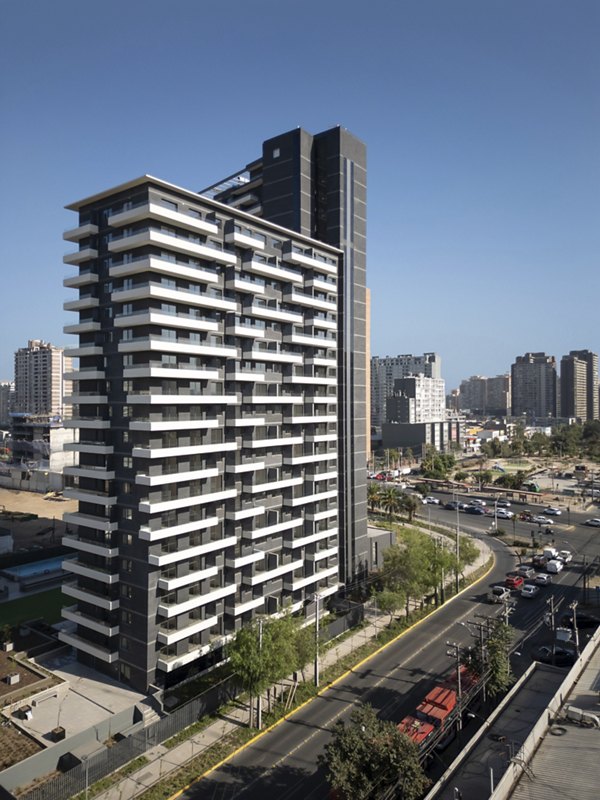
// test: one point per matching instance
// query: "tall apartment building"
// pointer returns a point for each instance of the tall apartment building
(316, 185)
(387, 369)
(484, 395)
(209, 420)
(417, 399)
(6, 402)
(40, 387)
(579, 385)
(533, 379)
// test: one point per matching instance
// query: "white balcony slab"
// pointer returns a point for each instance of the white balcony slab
(82, 279)
(102, 653)
(163, 559)
(240, 469)
(176, 477)
(171, 242)
(82, 303)
(182, 321)
(186, 502)
(85, 254)
(249, 605)
(169, 584)
(71, 613)
(92, 598)
(158, 534)
(277, 271)
(190, 450)
(196, 601)
(87, 571)
(174, 425)
(80, 232)
(311, 538)
(245, 513)
(307, 260)
(272, 574)
(313, 498)
(272, 530)
(172, 636)
(273, 486)
(163, 266)
(155, 210)
(89, 547)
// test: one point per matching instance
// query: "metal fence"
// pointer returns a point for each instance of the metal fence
(75, 780)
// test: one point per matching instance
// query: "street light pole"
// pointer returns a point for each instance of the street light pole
(457, 547)
(573, 607)
(317, 598)
(455, 653)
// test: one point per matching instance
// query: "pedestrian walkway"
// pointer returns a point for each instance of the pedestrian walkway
(164, 761)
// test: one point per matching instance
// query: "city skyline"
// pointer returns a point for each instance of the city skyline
(479, 121)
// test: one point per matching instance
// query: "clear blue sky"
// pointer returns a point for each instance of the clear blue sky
(481, 119)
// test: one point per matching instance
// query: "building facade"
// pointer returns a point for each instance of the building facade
(316, 185)
(40, 387)
(482, 395)
(534, 386)
(387, 369)
(6, 402)
(579, 385)
(209, 418)
(417, 399)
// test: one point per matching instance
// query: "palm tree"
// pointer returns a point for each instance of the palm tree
(373, 496)
(390, 501)
(410, 504)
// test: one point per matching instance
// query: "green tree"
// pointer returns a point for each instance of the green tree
(498, 658)
(390, 501)
(367, 756)
(373, 496)
(405, 565)
(410, 505)
(305, 648)
(389, 603)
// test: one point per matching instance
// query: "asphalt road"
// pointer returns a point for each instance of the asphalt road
(283, 763)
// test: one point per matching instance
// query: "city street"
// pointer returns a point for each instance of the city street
(283, 763)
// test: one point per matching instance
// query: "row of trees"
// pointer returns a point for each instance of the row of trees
(417, 566)
(392, 501)
(565, 440)
(266, 652)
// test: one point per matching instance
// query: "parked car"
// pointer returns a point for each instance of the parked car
(555, 566)
(498, 594)
(584, 620)
(543, 579)
(530, 590)
(553, 654)
(514, 581)
(526, 571)
(539, 519)
(595, 522)
(552, 511)
(475, 510)
(432, 500)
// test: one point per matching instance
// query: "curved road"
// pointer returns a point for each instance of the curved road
(282, 764)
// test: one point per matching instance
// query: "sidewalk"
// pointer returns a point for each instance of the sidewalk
(163, 761)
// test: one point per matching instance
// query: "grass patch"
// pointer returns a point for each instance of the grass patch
(44, 605)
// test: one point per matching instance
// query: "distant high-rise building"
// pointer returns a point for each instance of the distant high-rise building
(482, 395)
(387, 369)
(6, 402)
(579, 385)
(40, 385)
(534, 382)
(417, 399)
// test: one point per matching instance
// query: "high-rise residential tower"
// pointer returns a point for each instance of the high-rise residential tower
(533, 379)
(579, 385)
(40, 388)
(387, 369)
(209, 418)
(316, 185)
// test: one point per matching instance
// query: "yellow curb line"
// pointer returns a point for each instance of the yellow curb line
(328, 686)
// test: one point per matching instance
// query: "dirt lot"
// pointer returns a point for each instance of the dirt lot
(7, 665)
(47, 530)
(15, 746)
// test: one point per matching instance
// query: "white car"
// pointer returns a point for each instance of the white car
(595, 522)
(476, 502)
(565, 556)
(530, 590)
(541, 520)
(555, 566)
(542, 579)
(552, 511)
(503, 503)
(432, 500)
(504, 513)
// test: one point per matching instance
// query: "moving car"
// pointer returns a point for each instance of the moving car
(541, 520)
(555, 566)
(549, 654)
(498, 594)
(475, 510)
(476, 502)
(431, 499)
(543, 579)
(565, 556)
(530, 590)
(514, 581)
(595, 522)
(503, 513)
(452, 505)
(525, 571)
(552, 511)
(503, 503)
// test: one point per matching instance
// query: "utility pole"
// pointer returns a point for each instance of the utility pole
(455, 653)
(457, 548)
(259, 698)
(317, 598)
(550, 602)
(573, 608)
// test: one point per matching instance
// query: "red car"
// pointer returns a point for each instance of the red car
(514, 581)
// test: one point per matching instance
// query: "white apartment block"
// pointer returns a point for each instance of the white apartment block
(387, 369)
(416, 400)
(40, 385)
